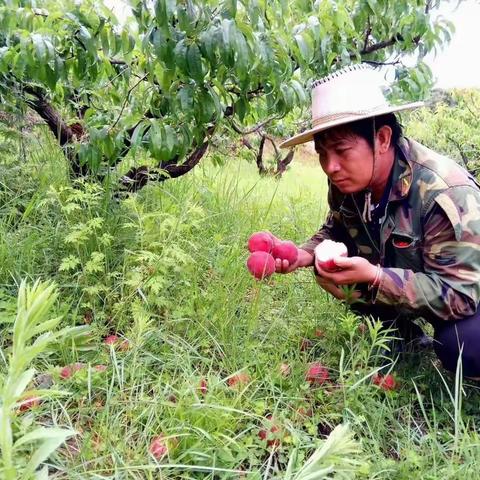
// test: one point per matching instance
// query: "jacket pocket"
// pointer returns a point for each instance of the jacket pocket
(405, 251)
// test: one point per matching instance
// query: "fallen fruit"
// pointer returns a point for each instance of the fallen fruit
(317, 374)
(319, 333)
(327, 251)
(285, 250)
(285, 369)
(238, 379)
(158, 447)
(29, 403)
(203, 387)
(111, 340)
(69, 370)
(385, 382)
(270, 434)
(260, 242)
(261, 265)
(100, 368)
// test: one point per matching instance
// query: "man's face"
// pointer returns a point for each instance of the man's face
(347, 159)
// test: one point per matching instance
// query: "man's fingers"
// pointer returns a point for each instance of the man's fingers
(330, 288)
(343, 262)
(282, 266)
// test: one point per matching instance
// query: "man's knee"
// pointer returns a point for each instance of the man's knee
(453, 341)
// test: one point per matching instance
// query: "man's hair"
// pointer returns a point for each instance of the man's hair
(362, 128)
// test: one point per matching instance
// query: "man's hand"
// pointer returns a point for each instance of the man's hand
(304, 259)
(337, 292)
(352, 270)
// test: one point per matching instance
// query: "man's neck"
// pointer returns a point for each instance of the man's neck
(382, 174)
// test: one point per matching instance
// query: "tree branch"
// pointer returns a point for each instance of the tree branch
(136, 178)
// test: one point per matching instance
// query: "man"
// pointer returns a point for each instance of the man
(409, 217)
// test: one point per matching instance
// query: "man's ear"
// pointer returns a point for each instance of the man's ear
(383, 139)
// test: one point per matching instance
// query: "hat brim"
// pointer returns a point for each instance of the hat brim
(308, 135)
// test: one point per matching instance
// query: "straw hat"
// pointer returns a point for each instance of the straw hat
(352, 93)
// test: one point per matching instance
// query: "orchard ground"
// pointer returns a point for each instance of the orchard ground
(208, 376)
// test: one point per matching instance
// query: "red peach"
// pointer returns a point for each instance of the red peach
(385, 382)
(203, 386)
(270, 434)
(69, 370)
(158, 447)
(285, 369)
(28, 403)
(317, 374)
(327, 251)
(111, 340)
(319, 333)
(260, 242)
(275, 240)
(238, 379)
(261, 265)
(286, 250)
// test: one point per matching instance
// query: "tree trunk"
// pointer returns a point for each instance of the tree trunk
(65, 134)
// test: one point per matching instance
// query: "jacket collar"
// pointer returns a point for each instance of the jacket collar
(402, 171)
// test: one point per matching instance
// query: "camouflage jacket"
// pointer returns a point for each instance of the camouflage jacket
(429, 242)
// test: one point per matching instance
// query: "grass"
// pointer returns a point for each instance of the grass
(165, 270)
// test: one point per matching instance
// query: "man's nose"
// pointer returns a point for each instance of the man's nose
(330, 164)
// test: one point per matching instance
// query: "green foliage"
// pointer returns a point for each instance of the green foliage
(449, 124)
(175, 290)
(25, 448)
(177, 71)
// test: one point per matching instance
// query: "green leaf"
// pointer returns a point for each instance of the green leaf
(54, 437)
(194, 63)
(22, 382)
(305, 46)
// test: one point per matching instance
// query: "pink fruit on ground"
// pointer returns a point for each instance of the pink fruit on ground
(285, 250)
(111, 340)
(158, 447)
(260, 242)
(385, 382)
(327, 251)
(317, 374)
(261, 265)
(203, 386)
(241, 378)
(285, 369)
(100, 368)
(319, 333)
(270, 433)
(69, 370)
(29, 403)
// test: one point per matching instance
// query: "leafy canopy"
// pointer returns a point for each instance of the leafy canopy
(179, 71)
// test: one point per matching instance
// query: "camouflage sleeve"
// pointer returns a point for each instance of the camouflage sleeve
(332, 229)
(449, 286)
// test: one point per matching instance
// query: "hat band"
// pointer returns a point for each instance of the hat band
(341, 115)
